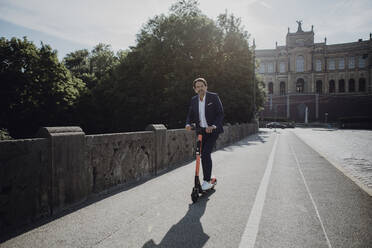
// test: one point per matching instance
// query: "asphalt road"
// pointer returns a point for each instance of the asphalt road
(273, 191)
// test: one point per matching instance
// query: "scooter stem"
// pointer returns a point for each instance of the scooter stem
(198, 152)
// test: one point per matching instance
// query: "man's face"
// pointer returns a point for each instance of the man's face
(200, 88)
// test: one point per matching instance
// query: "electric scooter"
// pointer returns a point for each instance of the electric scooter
(197, 190)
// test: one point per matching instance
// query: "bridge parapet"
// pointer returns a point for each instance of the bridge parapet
(64, 167)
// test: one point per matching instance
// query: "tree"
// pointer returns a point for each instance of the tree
(77, 62)
(155, 78)
(95, 68)
(36, 89)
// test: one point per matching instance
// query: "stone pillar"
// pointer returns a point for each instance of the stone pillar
(313, 86)
(71, 179)
(160, 145)
(289, 87)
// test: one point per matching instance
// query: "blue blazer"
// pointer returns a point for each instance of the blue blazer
(213, 111)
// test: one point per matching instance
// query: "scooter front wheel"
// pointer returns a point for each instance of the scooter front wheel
(194, 195)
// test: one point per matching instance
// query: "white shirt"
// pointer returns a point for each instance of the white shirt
(203, 120)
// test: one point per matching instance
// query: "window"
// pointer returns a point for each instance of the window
(300, 85)
(351, 85)
(318, 65)
(282, 88)
(319, 86)
(282, 67)
(270, 68)
(262, 68)
(341, 64)
(351, 63)
(271, 88)
(341, 85)
(362, 62)
(300, 63)
(332, 86)
(331, 64)
(362, 85)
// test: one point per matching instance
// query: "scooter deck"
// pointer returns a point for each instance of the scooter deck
(198, 192)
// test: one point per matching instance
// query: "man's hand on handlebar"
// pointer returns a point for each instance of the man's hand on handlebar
(209, 129)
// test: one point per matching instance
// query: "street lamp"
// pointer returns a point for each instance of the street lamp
(275, 111)
(254, 79)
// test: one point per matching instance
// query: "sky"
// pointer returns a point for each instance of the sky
(70, 25)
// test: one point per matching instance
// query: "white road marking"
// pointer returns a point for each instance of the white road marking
(311, 197)
(251, 229)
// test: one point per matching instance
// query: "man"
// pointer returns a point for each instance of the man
(207, 112)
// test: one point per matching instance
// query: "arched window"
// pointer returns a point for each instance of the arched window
(271, 88)
(362, 85)
(351, 85)
(282, 88)
(300, 63)
(319, 86)
(341, 85)
(332, 86)
(300, 85)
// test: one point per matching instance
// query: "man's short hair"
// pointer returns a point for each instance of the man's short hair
(199, 80)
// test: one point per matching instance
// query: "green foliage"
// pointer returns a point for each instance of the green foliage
(36, 90)
(4, 134)
(95, 68)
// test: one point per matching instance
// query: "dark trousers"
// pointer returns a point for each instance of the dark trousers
(208, 142)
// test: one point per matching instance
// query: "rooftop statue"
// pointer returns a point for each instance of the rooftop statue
(299, 29)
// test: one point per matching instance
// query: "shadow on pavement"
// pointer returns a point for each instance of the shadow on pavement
(260, 137)
(188, 232)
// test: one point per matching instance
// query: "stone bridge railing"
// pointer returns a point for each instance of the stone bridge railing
(62, 168)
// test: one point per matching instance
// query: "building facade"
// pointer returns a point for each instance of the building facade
(303, 69)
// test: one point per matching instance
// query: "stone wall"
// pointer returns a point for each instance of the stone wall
(25, 180)
(115, 159)
(43, 177)
(180, 146)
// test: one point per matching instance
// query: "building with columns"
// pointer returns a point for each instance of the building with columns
(303, 69)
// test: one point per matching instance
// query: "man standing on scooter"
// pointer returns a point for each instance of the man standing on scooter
(207, 112)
